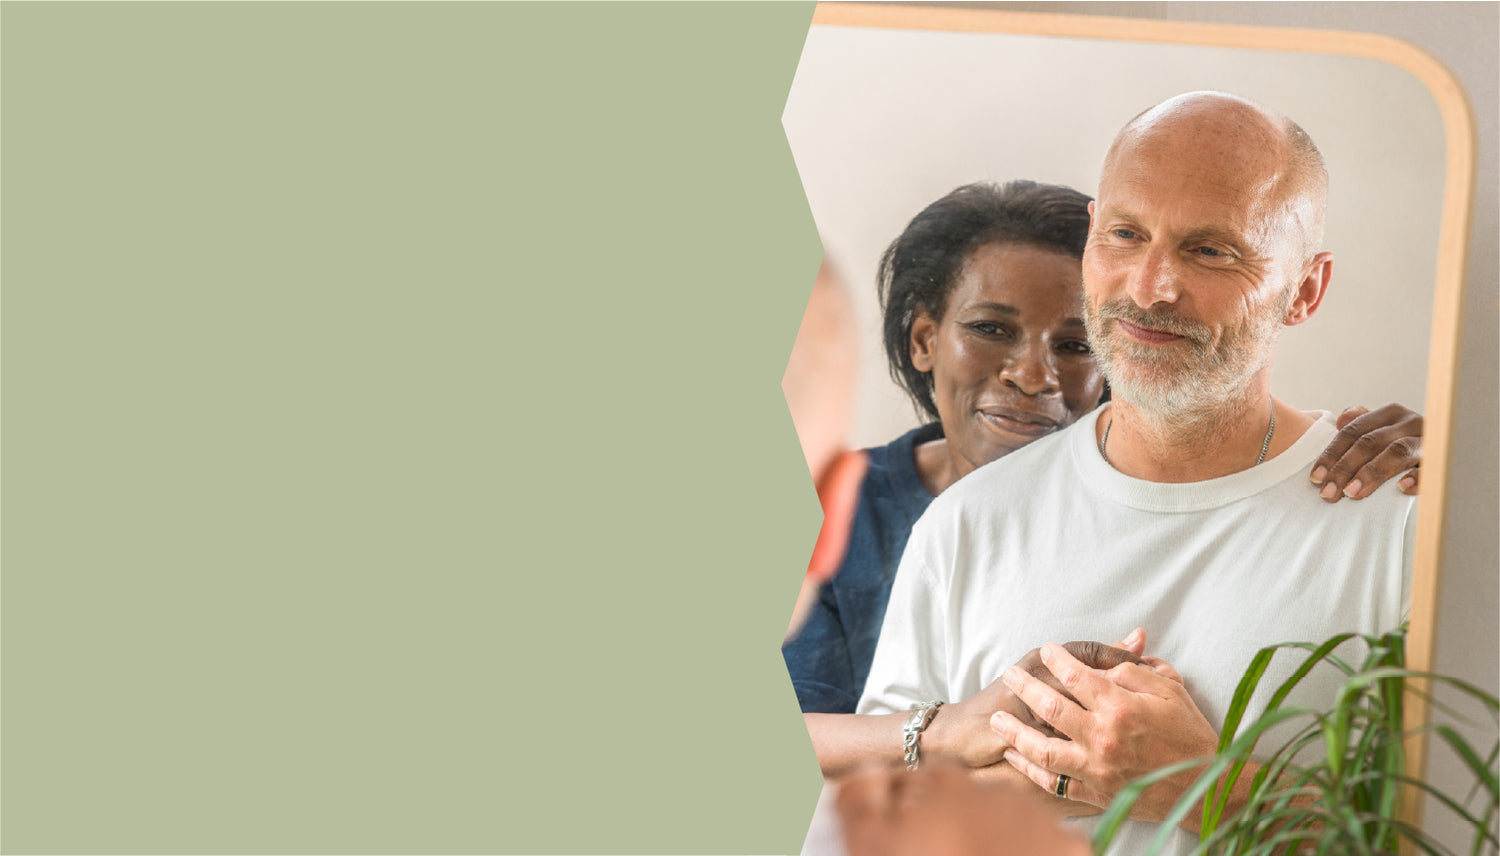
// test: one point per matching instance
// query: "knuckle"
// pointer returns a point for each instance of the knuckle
(1343, 468)
(1084, 652)
(1408, 447)
(1399, 455)
(1342, 441)
(1071, 679)
(1367, 444)
(1129, 670)
(1050, 709)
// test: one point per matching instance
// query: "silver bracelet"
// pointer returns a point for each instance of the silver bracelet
(921, 715)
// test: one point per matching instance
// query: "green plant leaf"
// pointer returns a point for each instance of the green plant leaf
(1448, 801)
(1489, 763)
(1343, 800)
(1219, 801)
(1254, 825)
(1120, 806)
(1471, 759)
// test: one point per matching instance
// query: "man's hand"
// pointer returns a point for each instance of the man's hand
(1095, 655)
(939, 810)
(1124, 723)
(961, 732)
(1371, 448)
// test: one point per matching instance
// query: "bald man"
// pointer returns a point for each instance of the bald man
(1181, 507)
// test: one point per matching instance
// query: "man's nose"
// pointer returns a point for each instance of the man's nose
(1031, 368)
(1154, 279)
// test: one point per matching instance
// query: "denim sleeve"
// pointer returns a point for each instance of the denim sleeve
(817, 659)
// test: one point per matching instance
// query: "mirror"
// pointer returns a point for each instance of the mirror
(894, 106)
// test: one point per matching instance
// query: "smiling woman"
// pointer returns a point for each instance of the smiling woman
(1015, 308)
(983, 329)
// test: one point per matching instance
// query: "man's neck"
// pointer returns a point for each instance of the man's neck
(1142, 445)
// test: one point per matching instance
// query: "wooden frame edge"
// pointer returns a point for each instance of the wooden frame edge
(1453, 240)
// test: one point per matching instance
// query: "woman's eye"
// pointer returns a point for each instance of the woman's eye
(1075, 346)
(985, 328)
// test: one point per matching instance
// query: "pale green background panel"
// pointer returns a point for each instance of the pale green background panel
(395, 453)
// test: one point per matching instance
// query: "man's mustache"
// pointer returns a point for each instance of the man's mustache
(1166, 322)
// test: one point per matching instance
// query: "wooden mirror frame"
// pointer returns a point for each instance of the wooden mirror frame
(1443, 350)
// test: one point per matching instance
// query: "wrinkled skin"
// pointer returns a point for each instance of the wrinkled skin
(961, 731)
(1095, 655)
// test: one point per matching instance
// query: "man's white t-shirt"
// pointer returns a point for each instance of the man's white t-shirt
(1052, 544)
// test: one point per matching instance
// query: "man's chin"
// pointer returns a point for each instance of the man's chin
(1132, 381)
(1164, 394)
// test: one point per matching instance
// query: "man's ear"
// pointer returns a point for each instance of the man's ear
(923, 339)
(1311, 289)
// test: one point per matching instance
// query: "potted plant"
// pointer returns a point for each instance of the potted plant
(1334, 786)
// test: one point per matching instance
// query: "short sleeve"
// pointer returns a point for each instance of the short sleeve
(910, 658)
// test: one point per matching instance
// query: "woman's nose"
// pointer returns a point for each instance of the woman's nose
(1031, 370)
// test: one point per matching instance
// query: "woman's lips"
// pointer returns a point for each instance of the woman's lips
(1024, 422)
(1147, 335)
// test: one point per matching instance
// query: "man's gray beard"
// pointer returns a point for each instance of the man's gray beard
(1198, 391)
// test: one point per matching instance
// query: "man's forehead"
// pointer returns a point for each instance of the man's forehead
(1206, 192)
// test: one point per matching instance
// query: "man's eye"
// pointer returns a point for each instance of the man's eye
(1124, 234)
(1210, 252)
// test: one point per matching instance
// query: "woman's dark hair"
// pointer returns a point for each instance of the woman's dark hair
(920, 268)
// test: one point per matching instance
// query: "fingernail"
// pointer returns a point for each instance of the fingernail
(1329, 492)
(1012, 676)
(1012, 757)
(1319, 475)
(1000, 721)
(1351, 489)
(1408, 484)
(1051, 649)
(1134, 637)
